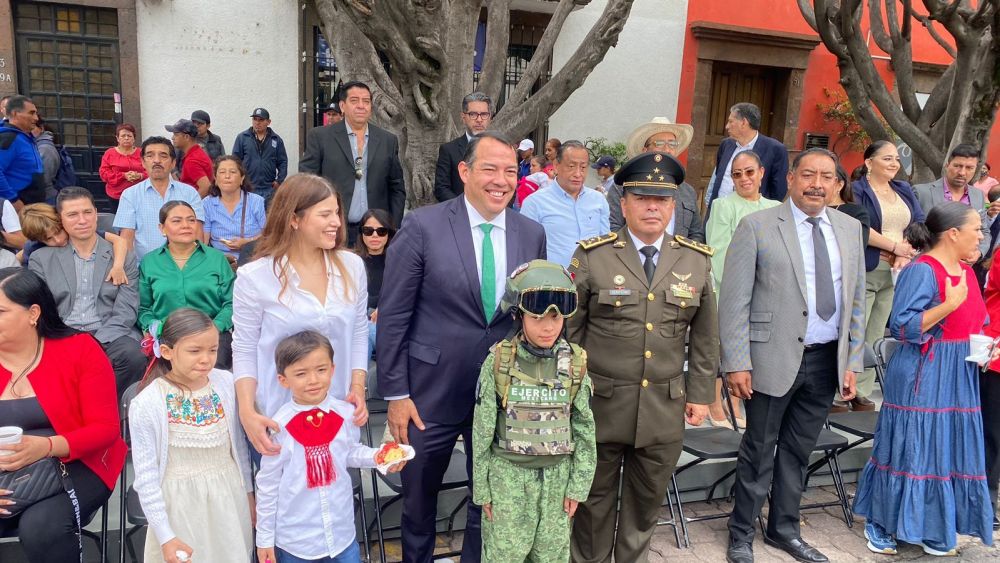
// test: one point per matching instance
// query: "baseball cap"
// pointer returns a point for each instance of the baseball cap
(201, 116)
(261, 113)
(525, 145)
(607, 161)
(183, 126)
(334, 107)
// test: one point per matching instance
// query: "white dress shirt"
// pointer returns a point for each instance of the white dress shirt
(639, 244)
(819, 331)
(499, 238)
(727, 186)
(309, 523)
(261, 320)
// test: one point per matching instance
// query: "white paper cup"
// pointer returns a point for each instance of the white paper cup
(979, 347)
(9, 435)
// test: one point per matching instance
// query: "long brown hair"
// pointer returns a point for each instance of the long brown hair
(296, 195)
(181, 323)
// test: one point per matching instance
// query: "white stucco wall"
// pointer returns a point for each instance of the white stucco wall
(637, 80)
(225, 57)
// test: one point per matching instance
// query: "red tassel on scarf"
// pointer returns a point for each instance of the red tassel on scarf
(315, 430)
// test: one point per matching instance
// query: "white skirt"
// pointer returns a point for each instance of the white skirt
(206, 506)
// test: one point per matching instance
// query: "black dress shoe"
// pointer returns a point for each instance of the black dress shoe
(742, 553)
(798, 549)
(996, 523)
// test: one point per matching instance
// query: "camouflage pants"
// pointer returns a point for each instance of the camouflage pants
(529, 523)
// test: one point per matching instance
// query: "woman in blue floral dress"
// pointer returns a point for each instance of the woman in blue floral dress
(926, 479)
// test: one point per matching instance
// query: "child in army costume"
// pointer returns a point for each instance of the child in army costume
(533, 436)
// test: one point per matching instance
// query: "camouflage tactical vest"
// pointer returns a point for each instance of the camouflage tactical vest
(534, 413)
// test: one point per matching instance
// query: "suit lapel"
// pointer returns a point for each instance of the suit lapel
(790, 236)
(459, 219)
(842, 230)
(374, 144)
(513, 254)
(340, 135)
(102, 260)
(69, 270)
(629, 255)
(666, 262)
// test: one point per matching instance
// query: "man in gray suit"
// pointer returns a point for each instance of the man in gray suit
(791, 322)
(661, 134)
(78, 274)
(959, 171)
(360, 160)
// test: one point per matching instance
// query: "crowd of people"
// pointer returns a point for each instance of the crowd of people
(565, 334)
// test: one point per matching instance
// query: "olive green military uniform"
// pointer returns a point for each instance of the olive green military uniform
(527, 491)
(634, 333)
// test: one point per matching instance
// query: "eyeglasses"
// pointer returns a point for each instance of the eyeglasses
(662, 144)
(539, 302)
(737, 174)
(369, 231)
(358, 172)
(474, 115)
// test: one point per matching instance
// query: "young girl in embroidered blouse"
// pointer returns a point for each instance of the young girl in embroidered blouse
(191, 461)
(305, 502)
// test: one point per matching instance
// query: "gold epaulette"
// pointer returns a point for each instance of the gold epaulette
(594, 242)
(695, 245)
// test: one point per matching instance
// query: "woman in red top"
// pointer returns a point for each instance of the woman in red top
(121, 166)
(58, 386)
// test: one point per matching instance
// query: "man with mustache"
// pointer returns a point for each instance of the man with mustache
(959, 170)
(791, 321)
(639, 290)
(138, 214)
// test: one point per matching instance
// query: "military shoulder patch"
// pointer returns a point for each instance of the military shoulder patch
(695, 245)
(594, 242)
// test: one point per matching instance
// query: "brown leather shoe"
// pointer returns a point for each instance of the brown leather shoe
(862, 404)
(839, 406)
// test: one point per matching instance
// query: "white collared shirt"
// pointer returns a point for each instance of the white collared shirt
(819, 331)
(261, 321)
(309, 523)
(499, 238)
(727, 186)
(639, 244)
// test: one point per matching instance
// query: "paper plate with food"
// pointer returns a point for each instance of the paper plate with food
(392, 453)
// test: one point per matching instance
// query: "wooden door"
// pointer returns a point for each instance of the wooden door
(733, 83)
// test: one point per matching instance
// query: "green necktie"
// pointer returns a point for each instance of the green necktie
(488, 289)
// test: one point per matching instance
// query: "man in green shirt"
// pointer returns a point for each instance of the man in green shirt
(78, 276)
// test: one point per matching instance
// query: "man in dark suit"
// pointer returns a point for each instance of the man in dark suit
(743, 126)
(360, 159)
(438, 317)
(477, 113)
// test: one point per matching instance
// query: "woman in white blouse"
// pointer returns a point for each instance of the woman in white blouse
(302, 278)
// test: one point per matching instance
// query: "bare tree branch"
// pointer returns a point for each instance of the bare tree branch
(540, 59)
(491, 78)
(520, 118)
(878, 26)
(929, 25)
(902, 59)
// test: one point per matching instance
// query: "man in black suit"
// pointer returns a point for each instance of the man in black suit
(477, 113)
(743, 126)
(360, 159)
(438, 317)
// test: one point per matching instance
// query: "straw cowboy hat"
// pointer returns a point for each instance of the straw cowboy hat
(637, 139)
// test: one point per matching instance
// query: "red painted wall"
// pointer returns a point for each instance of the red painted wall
(822, 74)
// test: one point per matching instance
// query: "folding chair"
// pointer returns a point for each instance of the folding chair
(861, 424)
(884, 349)
(130, 511)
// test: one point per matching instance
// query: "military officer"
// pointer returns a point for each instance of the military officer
(640, 290)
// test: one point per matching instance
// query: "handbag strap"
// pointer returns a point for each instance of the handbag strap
(71, 492)
(243, 215)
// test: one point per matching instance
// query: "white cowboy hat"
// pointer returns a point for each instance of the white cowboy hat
(637, 139)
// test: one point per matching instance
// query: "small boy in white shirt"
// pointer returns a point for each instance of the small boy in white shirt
(305, 503)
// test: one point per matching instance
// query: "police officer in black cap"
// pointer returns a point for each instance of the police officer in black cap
(640, 290)
(333, 114)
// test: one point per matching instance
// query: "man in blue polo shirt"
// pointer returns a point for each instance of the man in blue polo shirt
(569, 211)
(138, 214)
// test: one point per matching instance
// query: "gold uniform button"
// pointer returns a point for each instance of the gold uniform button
(651, 297)
(648, 354)
(645, 383)
(618, 303)
(684, 304)
(649, 327)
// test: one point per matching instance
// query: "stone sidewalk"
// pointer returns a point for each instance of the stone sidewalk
(823, 528)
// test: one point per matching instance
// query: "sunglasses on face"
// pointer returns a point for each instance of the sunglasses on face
(749, 172)
(369, 231)
(358, 172)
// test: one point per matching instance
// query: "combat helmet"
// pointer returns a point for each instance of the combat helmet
(538, 286)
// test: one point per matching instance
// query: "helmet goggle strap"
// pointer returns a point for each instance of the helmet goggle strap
(538, 302)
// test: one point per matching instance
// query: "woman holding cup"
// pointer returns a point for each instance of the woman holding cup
(57, 388)
(926, 479)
